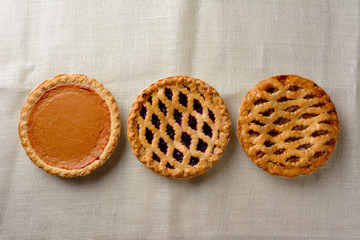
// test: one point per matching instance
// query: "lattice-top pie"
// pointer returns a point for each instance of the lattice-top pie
(288, 125)
(179, 127)
(69, 125)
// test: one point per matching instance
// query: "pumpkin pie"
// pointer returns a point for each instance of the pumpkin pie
(69, 125)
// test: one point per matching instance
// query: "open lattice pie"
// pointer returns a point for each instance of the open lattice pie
(179, 127)
(288, 125)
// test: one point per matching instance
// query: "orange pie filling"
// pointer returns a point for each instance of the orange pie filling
(69, 126)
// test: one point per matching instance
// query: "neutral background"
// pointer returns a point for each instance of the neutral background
(229, 44)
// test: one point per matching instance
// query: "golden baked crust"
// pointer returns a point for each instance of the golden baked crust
(72, 79)
(288, 125)
(179, 127)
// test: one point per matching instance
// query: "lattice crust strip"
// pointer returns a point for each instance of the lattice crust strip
(179, 127)
(288, 125)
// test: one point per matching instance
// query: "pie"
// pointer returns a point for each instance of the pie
(179, 127)
(69, 125)
(288, 125)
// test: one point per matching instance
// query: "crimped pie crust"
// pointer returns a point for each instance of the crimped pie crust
(179, 127)
(288, 125)
(114, 117)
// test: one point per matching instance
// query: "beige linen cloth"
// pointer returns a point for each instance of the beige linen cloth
(231, 45)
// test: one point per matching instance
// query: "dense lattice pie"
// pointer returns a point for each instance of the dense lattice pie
(288, 125)
(69, 125)
(179, 127)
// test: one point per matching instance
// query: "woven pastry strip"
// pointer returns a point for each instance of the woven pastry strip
(178, 127)
(288, 125)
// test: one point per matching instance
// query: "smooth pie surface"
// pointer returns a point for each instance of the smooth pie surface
(69, 126)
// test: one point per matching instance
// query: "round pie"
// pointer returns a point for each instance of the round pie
(288, 125)
(179, 127)
(69, 125)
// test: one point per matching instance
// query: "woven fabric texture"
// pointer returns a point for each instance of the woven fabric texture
(231, 45)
